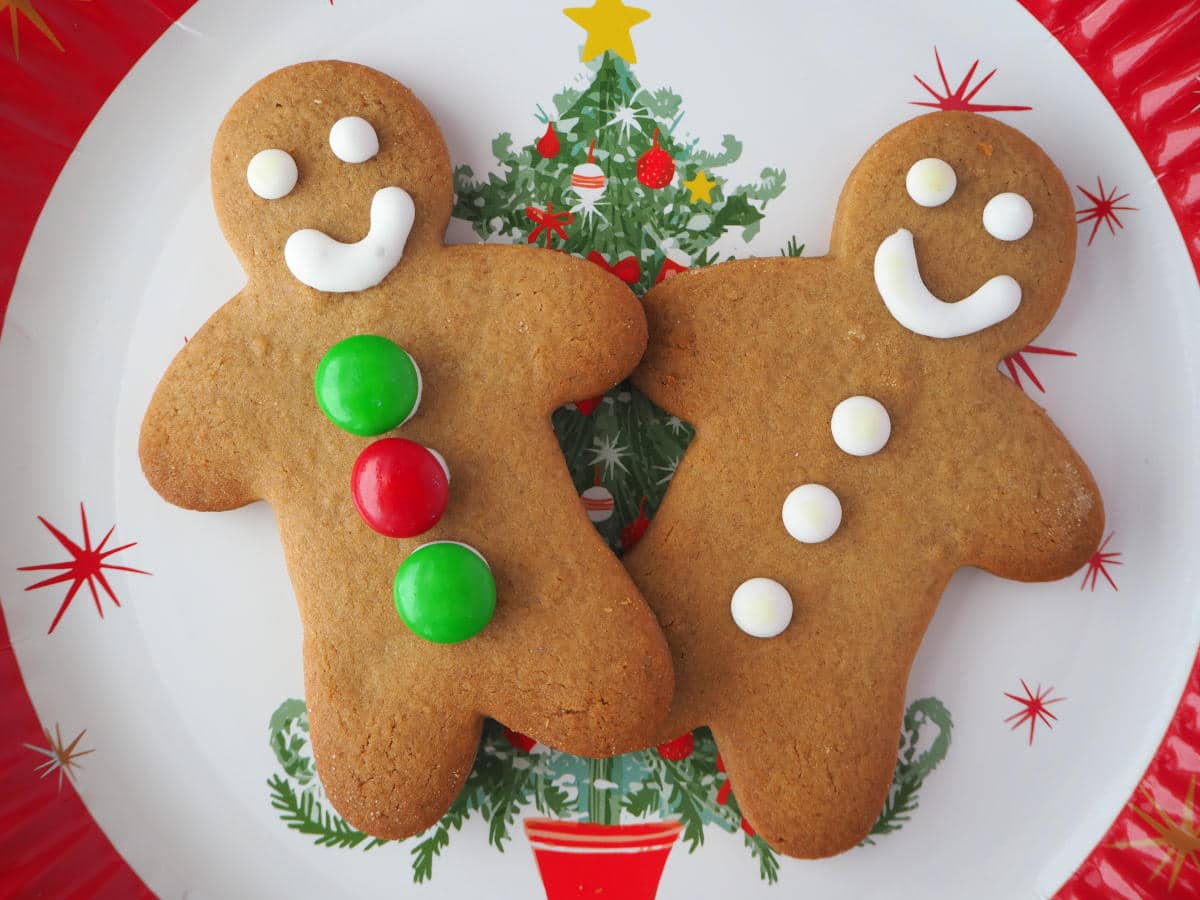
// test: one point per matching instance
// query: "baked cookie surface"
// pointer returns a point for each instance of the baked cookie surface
(333, 186)
(799, 554)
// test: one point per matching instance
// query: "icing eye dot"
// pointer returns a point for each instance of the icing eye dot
(272, 174)
(812, 513)
(860, 426)
(761, 607)
(930, 182)
(1008, 217)
(353, 140)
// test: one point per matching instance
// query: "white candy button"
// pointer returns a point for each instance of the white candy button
(860, 426)
(272, 174)
(1008, 217)
(930, 182)
(353, 140)
(812, 513)
(761, 607)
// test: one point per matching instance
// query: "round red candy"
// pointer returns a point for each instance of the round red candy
(399, 487)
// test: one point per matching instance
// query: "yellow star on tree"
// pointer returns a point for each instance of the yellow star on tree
(607, 24)
(700, 187)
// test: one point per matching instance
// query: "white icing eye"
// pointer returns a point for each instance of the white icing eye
(1008, 217)
(761, 607)
(272, 174)
(930, 182)
(860, 426)
(812, 513)
(353, 140)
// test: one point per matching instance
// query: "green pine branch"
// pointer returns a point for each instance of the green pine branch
(426, 850)
(792, 248)
(304, 814)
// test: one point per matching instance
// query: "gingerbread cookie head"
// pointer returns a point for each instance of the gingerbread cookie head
(390, 397)
(887, 450)
(968, 227)
(376, 149)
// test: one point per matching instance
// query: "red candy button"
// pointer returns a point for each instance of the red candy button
(399, 487)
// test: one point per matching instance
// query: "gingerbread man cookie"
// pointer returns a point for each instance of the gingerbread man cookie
(855, 445)
(390, 397)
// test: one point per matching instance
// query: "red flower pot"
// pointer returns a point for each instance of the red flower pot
(578, 859)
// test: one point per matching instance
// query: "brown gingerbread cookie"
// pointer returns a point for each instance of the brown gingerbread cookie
(855, 445)
(363, 365)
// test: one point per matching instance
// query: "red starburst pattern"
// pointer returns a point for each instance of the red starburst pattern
(1017, 363)
(961, 97)
(87, 564)
(1103, 210)
(1033, 708)
(1098, 565)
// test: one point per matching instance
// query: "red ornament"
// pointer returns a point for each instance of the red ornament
(679, 749)
(522, 742)
(587, 407)
(632, 533)
(748, 828)
(399, 487)
(655, 169)
(629, 270)
(547, 144)
(669, 268)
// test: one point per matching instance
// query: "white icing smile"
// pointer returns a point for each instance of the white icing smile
(324, 264)
(915, 307)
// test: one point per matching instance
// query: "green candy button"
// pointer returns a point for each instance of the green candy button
(445, 592)
(367, 385)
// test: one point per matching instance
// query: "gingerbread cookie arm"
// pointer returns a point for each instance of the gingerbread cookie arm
(195, 443)
(580, 329)
(1040, 516)
(699, 322)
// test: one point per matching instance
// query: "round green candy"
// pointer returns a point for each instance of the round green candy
(445, 592)
(367, 385)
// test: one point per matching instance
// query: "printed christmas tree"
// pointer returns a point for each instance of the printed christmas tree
(611, 177)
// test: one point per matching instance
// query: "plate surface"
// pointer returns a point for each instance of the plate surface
(177, 686)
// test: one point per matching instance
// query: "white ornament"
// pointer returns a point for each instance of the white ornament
(1008, 217)
(930, 182)
(761, 607)
(860, 426)
(353, 140)
(588, 182)
(812, 513)
(599, 503)
(914, 306)
(320, 262)
(272, 174)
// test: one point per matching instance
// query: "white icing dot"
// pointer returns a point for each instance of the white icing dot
(1008, 217)
(353, 140)
(761, 607)
(272, 174)
(441, 462)
(930, 182)
(860, 426)
(812, 513)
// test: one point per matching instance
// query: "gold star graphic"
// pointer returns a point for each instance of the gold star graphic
(25, 8)
(1179, 841)
(700, 187)
(59, 757)
(607, 24)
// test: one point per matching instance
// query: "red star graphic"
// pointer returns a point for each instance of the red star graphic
(961, 97)
(1103, 210)
(1017, 363)
(1034, 709)
(87, 564)
(1098, 565)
